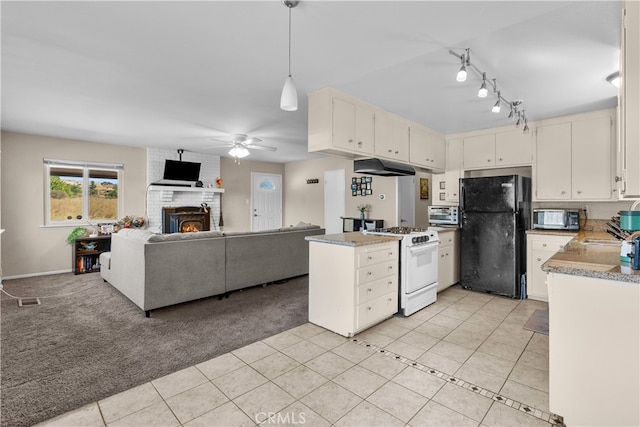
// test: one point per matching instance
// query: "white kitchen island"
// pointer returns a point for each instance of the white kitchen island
(353, 281)
(594, 337)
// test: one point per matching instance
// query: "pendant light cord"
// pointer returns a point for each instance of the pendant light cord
(289, 7)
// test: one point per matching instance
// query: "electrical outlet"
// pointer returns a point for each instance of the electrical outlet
(584, 209)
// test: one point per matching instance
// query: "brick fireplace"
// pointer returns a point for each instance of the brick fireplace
(185, 219)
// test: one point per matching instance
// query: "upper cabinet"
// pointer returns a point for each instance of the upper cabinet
(353, 127)
(574, 158)
(339, 125)
(391, 137)
(499, 149)
(629, 147)
(344, 126)
(426, 148)
(453, 170)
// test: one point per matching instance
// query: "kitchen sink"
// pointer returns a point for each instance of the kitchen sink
(601, 242)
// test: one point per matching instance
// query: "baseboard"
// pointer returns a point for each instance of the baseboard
(47, 273)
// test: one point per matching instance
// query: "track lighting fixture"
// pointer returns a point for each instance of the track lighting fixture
(462, 72)
(289, 97)
(514, 111)
(482, 92)
(496, 106)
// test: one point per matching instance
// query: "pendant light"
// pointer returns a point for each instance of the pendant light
(289, 97)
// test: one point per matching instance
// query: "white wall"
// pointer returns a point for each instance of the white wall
(27, 246)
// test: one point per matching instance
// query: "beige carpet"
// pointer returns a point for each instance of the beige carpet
(93, 342)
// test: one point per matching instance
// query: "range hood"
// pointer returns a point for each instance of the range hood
(382, 167)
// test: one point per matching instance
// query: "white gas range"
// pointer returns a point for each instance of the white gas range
(418, 266)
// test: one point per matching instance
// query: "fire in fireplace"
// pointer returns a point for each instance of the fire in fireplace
(185, 219)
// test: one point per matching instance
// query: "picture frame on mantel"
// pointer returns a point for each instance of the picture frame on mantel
(424, 188)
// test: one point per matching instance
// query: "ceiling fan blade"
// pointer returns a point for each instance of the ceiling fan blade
(261, 147)
(251, 141)
(223, 145)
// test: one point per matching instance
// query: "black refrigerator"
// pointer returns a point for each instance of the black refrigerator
(495, 214)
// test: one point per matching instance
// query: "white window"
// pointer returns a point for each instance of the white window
(81, 193)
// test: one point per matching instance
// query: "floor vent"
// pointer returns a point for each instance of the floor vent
(25, 302)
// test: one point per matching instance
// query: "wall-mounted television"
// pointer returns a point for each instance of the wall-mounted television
(181, 171)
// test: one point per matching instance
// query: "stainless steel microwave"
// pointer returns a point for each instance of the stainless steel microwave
(556, 219)
(447, 215)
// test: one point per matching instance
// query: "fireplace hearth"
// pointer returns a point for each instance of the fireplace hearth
(185, 219)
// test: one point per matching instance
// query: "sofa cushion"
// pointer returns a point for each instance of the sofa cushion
(136, 234)
(184, 236)
(244, 233)
(300, 226)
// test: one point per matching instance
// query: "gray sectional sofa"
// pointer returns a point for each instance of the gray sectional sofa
(158, 270)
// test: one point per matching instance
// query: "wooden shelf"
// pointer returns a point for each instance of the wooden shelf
(88, 260)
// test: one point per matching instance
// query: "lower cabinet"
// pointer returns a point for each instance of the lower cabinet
(351, 288)
(448, 258)
(541, 247)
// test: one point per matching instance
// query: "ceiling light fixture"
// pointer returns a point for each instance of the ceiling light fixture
(482, 92)
(514, 111)
(289, 97)
(614, 79)
(238, 152)
(462, 72)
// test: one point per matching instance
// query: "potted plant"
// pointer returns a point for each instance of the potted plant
(76, 233)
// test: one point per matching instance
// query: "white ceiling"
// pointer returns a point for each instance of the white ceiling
(175, 74)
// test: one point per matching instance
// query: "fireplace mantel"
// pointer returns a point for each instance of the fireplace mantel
(166, 191)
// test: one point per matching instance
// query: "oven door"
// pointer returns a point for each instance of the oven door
(419, 267)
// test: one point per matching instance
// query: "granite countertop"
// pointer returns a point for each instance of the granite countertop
(352, 239)
(591, 253)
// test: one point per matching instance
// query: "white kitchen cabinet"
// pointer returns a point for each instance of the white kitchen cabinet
(510, 148)
(629, 101)
(340, 125)
(574, 158)
(351, 288)
(594, 348)
(448, 258)
(453, 171)
(391, 137)
(541, 247)
(426, 148)
(353, 127)
(514, 148)
(479, 152)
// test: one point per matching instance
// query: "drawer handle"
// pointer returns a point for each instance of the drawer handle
(539, 259)
(390, 268)
(369, 308)
(368, 289)
(390, 253)
(370, 258)
(544, 245)
(369, 273)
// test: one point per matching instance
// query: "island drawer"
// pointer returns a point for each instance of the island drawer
(372, 290)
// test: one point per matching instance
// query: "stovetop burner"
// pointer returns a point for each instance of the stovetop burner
(400, 230)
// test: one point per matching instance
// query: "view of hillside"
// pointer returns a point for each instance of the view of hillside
(66, 199)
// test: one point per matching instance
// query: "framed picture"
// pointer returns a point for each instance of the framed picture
(424, 188)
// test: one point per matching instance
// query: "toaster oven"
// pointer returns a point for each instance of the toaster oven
(443, 215)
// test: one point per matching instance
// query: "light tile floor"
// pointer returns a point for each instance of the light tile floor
(464, 360)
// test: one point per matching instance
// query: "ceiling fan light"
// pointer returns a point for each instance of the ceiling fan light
(289, 97)
(238, 151)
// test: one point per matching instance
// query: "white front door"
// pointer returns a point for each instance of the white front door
(266, 201)
(334, 192)
(406, 201)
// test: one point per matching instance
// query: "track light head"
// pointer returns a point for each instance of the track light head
(462, 73)
(483, 92)
(496, 106)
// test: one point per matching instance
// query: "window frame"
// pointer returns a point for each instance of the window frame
(85, 167)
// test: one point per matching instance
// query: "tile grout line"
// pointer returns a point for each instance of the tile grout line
(527, 409)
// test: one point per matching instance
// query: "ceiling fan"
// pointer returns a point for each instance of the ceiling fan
(240, 145)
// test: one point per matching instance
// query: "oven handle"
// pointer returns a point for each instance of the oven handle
(423, 248)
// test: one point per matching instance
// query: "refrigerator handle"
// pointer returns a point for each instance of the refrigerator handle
(462, 198)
